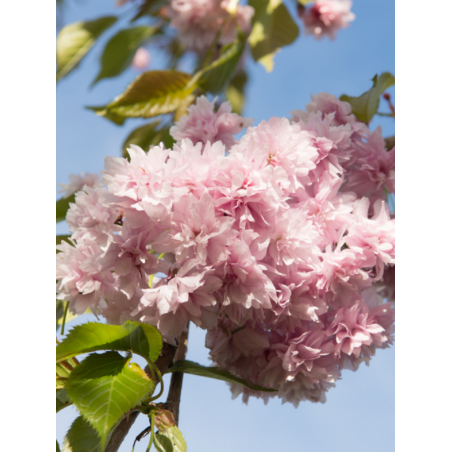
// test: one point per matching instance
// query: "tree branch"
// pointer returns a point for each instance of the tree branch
(175, 389)
(164, 361)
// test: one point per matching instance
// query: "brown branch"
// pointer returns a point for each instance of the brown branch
(175, 389)
(164, 361)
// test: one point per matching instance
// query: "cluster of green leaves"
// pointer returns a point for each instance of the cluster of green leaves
(107, 387)
(163, 92)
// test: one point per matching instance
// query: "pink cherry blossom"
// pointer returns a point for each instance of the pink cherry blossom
(326, 17)
(142, 59)
(199, 21)
(76, 183)
(204, 124)
(282, 249)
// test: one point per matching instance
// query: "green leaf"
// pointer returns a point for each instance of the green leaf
(106, 386)
(304, 2)
(365, 106)
(171, 440)
(57, 445)
(216, 76)
(113, 117)
(145, 137)
(59, 312)
(151, 7)
(62, 206)
(62, 399)
(189, 367)
(140, 338)
(390, 142)
(120, 50)
(81, 437)
(75, 40)
(151, 94)
(273, 28)
(235, 92)
(60, 238)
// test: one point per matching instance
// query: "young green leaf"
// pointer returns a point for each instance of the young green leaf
(139, 338)
(170, 440)
(365, 106)
(145, 137)
(60, 238)
(106, 386)
(81, 437)
(120, 50)
(273, 28)
(149, 7)
(57, 447)
(75, 40)
(216, 76)
(62, 206)
(151, 94)
(189, 367)
(235, 92)
(62, 399)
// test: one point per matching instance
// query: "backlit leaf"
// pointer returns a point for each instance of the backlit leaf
(62, 206)
(120, 50)
(216, 76)
(106, 386)
(75, 40)
(139, 338)
(81, 437)
(235, 92)
(170, 440)
(62, 399)
(273, 28)
(151, 94)
(365, 106)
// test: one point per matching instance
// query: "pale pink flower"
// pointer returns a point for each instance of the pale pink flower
(76, 183)
(326, 104)
(91, 218)
(376, 234)
(196, 233)
(203, 123)
(142, 59)
(80, 280)
(280, 144)
(326, 17)
(185, 295)
(141, 183)
(304, 350)
(353, 328)
(373, 172)
(199, 21)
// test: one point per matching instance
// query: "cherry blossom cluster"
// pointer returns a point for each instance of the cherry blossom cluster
(200, 21)
(326, 17)
(280, 244)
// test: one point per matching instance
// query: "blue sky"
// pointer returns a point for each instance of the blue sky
(359, 412)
